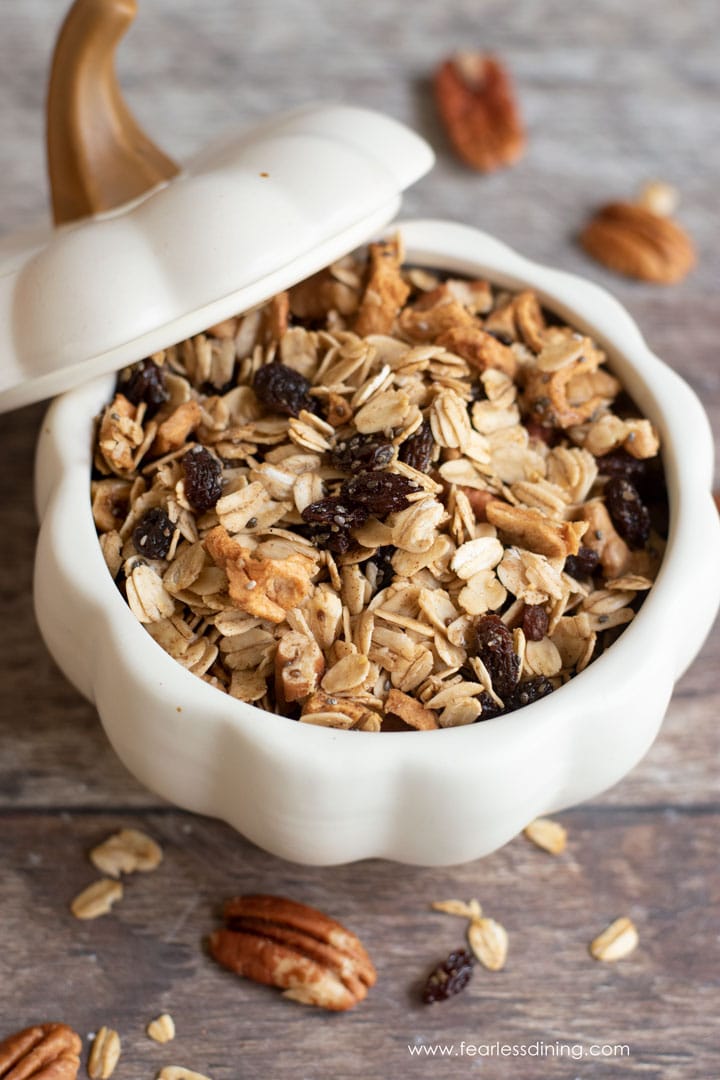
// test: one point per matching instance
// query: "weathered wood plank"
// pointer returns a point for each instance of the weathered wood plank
(147, 956)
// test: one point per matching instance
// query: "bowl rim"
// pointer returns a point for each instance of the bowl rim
(449, 246)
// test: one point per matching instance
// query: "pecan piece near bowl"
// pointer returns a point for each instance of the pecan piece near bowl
(634, 241)
(279, 942)
(42, 1052)
(476, 101)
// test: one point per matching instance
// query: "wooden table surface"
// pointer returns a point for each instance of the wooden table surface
(614, 93)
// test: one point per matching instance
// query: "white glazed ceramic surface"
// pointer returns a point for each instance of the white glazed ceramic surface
(245, 218)
(440, 797)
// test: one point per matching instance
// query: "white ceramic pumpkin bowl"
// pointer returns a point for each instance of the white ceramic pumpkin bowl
(323, 796)
(175, 251)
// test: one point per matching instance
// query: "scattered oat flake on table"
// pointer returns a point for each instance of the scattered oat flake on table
(162, 1028)
(177, 1072)
(126, 852)
(104, 1055)
(468, 910)
(97, 899)
(549, 835)
(619, 940)
(489, 942)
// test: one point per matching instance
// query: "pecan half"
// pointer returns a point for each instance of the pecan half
(477, 104)
(43, 1052)
(635, 241)
(297, 948)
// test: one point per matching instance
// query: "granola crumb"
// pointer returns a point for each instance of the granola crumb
(162, 1028)
(126, 852)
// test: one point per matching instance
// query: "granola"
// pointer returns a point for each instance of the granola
(328, 504)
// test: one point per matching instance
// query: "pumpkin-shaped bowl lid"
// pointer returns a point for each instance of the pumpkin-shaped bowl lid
(245, 219)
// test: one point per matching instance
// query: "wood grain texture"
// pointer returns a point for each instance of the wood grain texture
(613, 94)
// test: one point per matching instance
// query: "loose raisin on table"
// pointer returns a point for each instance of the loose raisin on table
(417, 451)
(628, 512)
(282, 389)
(362, 453)
(495, 649)
(534, 622)
(153, 535)
(449, 978)
(145, 382)
(584, 564)
(381, 493)
(202, 478)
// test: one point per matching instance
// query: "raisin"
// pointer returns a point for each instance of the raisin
(449, 978)
(381, 493)
(417, 451)
(534, 622)
(530, 690)
(584, 564)
(153, 535)
(203, 478)
(282, 389)
(362, 453)
(490, 707)
(495, 649)
(382, 567)
(330, 538)
(145, 382)
(620, 463)
(645, 474)
(336, 512)
(330, 523)
(628, 512)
